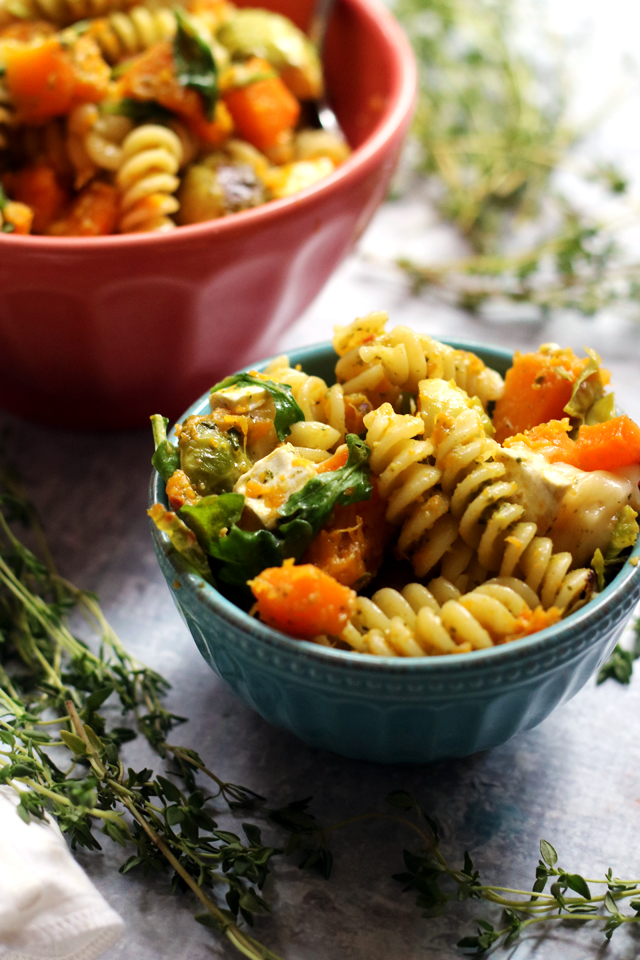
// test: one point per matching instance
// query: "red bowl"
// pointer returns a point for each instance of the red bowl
(101, 332)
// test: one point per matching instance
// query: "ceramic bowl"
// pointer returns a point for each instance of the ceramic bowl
(96, 332)
(388, 709)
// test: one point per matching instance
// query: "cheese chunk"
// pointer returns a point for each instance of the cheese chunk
(541, 485)
(272, 480)
(577, 510)
(240, 399)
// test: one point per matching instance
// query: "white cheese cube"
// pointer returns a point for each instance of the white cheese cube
(240, 399)
(272, 480)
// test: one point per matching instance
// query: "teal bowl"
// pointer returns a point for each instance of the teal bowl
(387, 709)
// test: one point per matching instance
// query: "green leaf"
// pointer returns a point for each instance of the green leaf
(97, 698)
(195, 64)
(140, 111)
(548, 853)
(244, 554)
(211, 516)
(315, 501)
(169, 790)
(166, 460)
(175, 815)
(75, 743)
(288, 411)
(618, 667)
(587, 389)
(579, 885)
(611, 905)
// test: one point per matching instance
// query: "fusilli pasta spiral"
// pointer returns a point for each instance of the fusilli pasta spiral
(406, 479)
(415, 623)
(151, 156)
(387, 363)
(58, 11)
(124, 34)
(491, 531)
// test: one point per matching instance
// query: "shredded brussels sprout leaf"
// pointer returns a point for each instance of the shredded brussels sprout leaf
(243, 554)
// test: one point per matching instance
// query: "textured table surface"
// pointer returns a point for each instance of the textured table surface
(575, 780)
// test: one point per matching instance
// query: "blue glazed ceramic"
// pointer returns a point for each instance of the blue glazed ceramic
(395, 710)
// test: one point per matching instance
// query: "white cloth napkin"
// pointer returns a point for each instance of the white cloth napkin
(49, 909)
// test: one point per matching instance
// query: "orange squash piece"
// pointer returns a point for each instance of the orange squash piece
(93, 213)
(609, 445)
(302, 601)
(264, 112)
(38, 187)
(537, 388)
(551, 440)
(351, 544)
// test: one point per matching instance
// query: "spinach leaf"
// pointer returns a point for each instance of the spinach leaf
(315, 501)
(166, 458)
(287, 409)
(244, 554)
(210, 516)
(241, 554)
(141, 111)
(195, 65)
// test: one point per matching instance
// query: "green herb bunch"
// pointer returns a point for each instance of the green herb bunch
(58, 753)
(436, 883)
(63, 758)
(490, 131)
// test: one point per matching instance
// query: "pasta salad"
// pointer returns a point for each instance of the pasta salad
(117, 117)
(421, 505)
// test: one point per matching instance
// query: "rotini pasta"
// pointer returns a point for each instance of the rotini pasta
(122, 34)
(151, 156)
(428, 497)
(60, 12)
(413, 623)
(387, 364)
(77, 76)
(489, 523)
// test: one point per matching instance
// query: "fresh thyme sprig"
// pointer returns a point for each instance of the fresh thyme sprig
(489, 133)
(59, 756)
(436, 882)
(619, 666)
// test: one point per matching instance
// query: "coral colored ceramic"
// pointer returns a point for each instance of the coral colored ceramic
(99, 332)
(393, 709)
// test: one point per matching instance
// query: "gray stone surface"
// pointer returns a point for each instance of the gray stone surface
(574, 780)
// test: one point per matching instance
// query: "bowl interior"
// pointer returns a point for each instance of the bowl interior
(319, 360)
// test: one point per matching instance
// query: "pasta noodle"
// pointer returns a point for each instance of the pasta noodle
(124, 34)
(57, 11)
(78, 76)
(413, 623)
(387, 364)
(151, 156)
